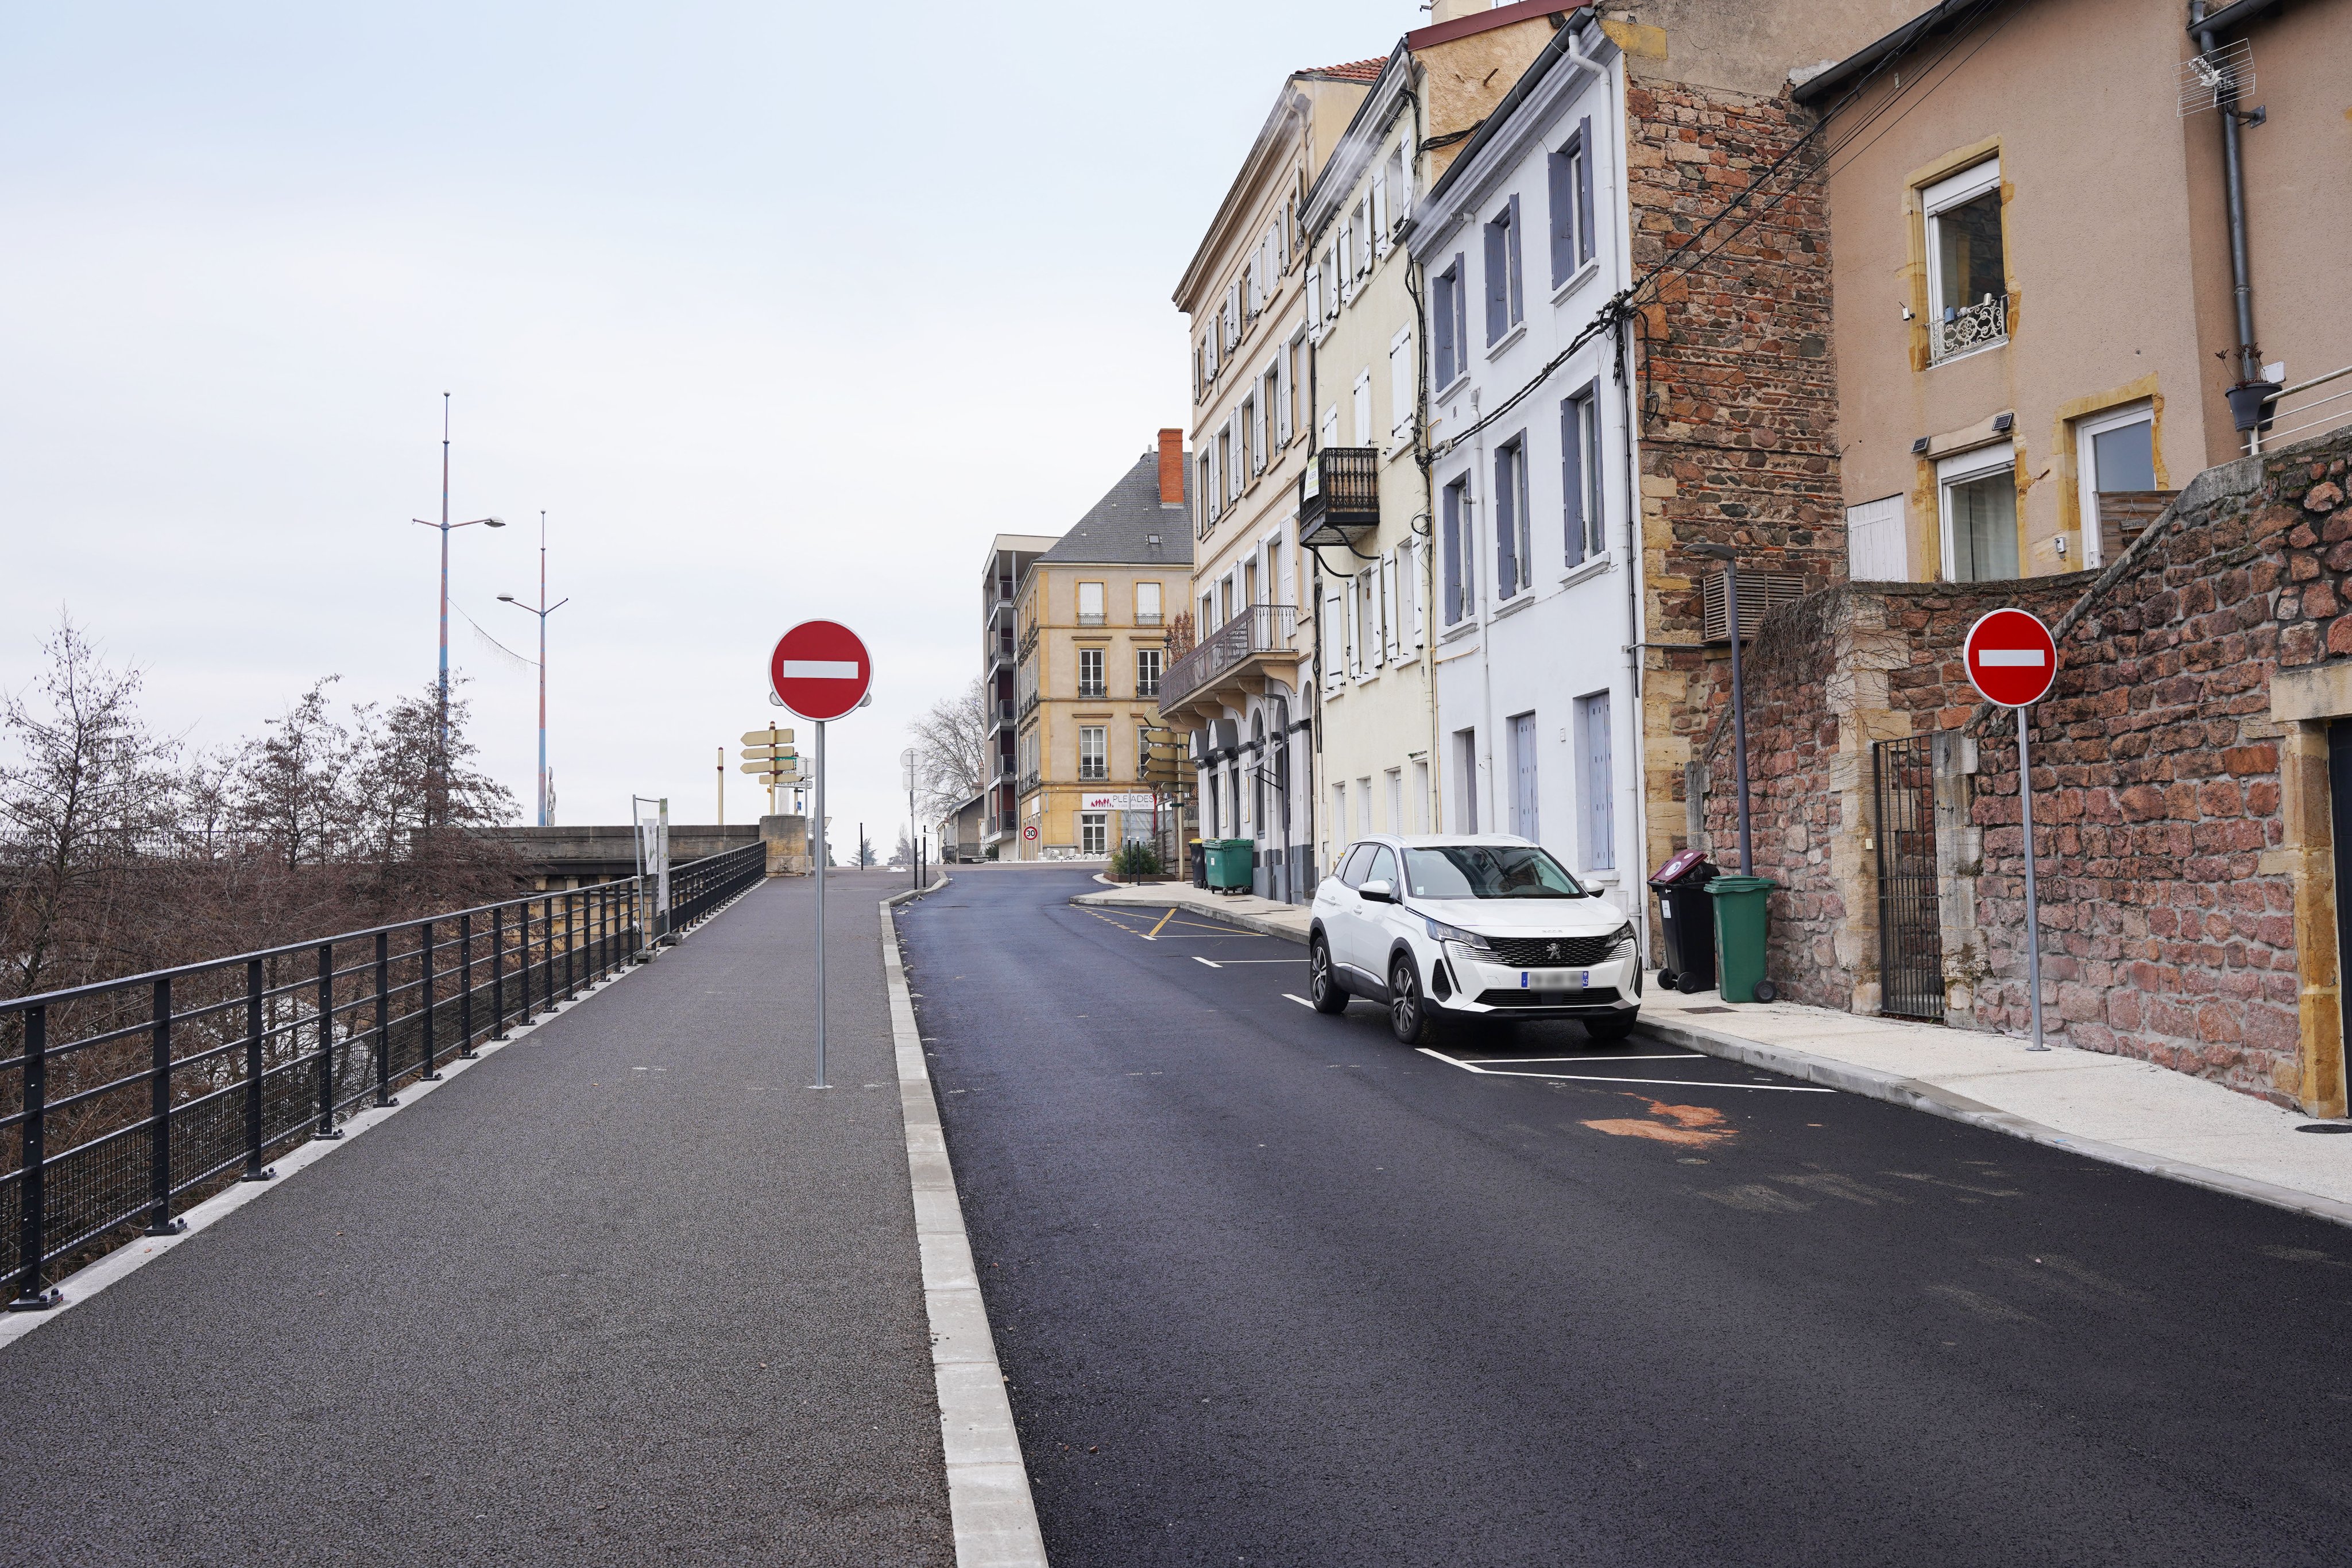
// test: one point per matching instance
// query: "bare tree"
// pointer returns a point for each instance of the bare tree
(88, 794)
(951, 750)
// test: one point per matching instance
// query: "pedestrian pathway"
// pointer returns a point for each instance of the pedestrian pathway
(627, 1290)
(2114, 1108)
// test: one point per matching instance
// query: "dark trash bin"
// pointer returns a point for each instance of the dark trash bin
(1686, 916)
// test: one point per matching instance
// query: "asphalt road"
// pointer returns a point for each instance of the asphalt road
(1270, 1288)
(625, 1292)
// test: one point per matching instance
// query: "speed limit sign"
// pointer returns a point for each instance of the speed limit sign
(1030, 832)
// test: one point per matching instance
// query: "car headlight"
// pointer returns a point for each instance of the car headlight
(1470, 942)
(1624, 946)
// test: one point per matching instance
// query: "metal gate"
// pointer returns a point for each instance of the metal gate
(1910, 926)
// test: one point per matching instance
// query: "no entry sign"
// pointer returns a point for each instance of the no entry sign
(819, 670)
(2012, 658)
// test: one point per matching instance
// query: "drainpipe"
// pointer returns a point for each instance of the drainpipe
(2246, 398)
(1624, 368)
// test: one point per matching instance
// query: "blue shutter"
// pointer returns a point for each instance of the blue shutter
(1584, 191)
(1452, 554)
(1561, 168)
(1498, 283)
(1519, 298)
(1461, 312)
(1443, 328)
(1571, 478)
(1506, 526)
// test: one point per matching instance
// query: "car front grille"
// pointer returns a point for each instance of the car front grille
(1595, 995)
(1551, 952)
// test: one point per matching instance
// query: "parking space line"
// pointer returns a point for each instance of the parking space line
(1302, 1001)
(1153, 935)
(1671, 1055)
(1198, 960)
(1229, 963)
(1612, 1078)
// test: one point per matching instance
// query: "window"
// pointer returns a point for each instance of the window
(1877, 550)
(1330, 433)
(1454, 515)
(1511, 572)
(1382, 867)
(1978, 502)
(1361, 408)
(1284, 379)
(1380, 213)
(1090, 604)
(2115, 455)
(1571, 204)
(1346, 288)
(1332, 287)
(1360, 230)
(1421, 796)
(1204, 491)
(1523, 776)
(1392, 646)
(1488, 870)
(1583, 517)
(1968, 286)
(1090, 672)
(1364, 803)
(1094, 832)
(1368, 626)
(1447, 332)
(1339, 821)
(1315, 298)
(1465, 780)
(1396, 799)
(1399, 187)
(1505, 296)
(1402, 381)
(1094, 751)
(1147, 604)
(1596, 782)
(1254, 412)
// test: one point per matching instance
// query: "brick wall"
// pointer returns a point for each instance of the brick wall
(2168, 915)
(1734, 388)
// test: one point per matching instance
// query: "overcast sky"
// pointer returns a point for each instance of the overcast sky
(779, 311)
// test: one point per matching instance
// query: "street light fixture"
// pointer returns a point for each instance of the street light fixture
(543, 610)
(444, 524)
(1730, 560)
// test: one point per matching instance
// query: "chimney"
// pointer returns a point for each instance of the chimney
(1171, 467)
(1446, 10)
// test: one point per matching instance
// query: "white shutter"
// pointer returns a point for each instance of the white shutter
(1334, 652)
(1416, 564)
(1315, 295)
(1347, 260)
(1351, 633)
(1233, 313)
(1380, 213)
(1258, 423)
(1237, 457)
(1282, 395)
(1400, 386)
(1362, 411)
(1391, 612)
(1286, 574)
(1330, 434)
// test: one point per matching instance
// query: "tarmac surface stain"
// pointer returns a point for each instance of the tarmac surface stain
(1694, 1126)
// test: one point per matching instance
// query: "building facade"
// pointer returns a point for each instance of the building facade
(1378, 761)
(1092, 616)
(1008, 562)
(1241, 688)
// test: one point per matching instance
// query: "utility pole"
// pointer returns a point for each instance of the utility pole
(722, 785)
(441, 759)
(543, 610)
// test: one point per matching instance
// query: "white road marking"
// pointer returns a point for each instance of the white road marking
(1229, 963)
(1198, 960)
(1612, 1078)
(1302, 1001)
(1597, 1061)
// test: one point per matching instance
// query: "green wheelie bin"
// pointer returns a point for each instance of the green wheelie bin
(1740, 937)
(1232, 862)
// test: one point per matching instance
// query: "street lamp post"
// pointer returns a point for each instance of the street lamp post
(543, 610)
(1730, 560)
(444, 524)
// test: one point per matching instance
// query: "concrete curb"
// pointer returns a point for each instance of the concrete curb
(1242, 918)
(131, 1257)
(989, 1502)
(1913, 1094)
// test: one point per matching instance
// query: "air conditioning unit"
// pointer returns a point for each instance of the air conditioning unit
(1760, 593)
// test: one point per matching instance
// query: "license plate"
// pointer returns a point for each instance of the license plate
(1583, 982)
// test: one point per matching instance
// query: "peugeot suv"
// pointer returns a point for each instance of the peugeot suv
(1486, 925)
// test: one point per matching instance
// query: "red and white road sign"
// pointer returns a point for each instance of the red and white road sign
(1030, 832)
(2011, 657)
(819, 670)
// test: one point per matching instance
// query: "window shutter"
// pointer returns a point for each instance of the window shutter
(1257, 425)
(1315, 295)
(1362, 410)
(1415, 590)
(1282, 395)
(1392, 609)
(1238, 458)
(1498, 283)
(1380, 213)
(1285, 575)
(1401, 387)
(1571, 478)
(1584, 191)
(1506, 528)
(1461, 313)
(1518, 299)
(1561, 194)
(1347, 642)
(1332, 653)
(1330, 431)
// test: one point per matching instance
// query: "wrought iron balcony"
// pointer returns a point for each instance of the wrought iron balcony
(1028, 639)
(1966, 328)
(1094, 689)
(1235, 653)
(1338, 496)
(1028, 705)
(1030, 784)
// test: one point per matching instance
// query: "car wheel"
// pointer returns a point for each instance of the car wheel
(1322, 986)
(1407, 1014)
(1607, 1029)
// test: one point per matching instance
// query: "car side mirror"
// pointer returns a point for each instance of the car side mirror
(1378, 890)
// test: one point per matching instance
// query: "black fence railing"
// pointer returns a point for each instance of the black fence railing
(128, 1101)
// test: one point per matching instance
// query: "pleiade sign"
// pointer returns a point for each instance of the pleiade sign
(819, 670)
(2012, 658)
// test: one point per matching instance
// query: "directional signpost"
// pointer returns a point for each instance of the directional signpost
(2011, 660)
(819, 671)
(769, 755)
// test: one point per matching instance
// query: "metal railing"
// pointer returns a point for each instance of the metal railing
(1004, 710)
(1029, 704)
(1966, 328)
(2312, 414)
(1260, 629)
(130, 1100)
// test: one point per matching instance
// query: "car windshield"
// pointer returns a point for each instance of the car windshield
(1487, 871)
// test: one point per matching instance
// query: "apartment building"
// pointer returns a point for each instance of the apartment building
(2055, 300)
(1242, 689)
(1007, 562)
(1093, 612)
(1365, 504)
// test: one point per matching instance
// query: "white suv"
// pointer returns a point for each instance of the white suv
(1487, 925)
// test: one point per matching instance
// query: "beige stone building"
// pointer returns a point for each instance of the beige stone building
(1093, 613)
(2038, 320)
(1238, 692)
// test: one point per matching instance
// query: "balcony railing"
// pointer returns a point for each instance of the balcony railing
(1340, 495)
(1028, 639)
(1005, 714)
(1030, 784)
(1028, 705)
(1090, 618)
(1092, 689)
(1966, 328)
(2305, 408)
(1260, 629)
(1147, 618)
(1000, 647)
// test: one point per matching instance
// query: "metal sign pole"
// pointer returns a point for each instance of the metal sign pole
(2032, 910)
(820, 905)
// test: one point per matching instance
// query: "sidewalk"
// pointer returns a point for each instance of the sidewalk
(2113, 1108)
